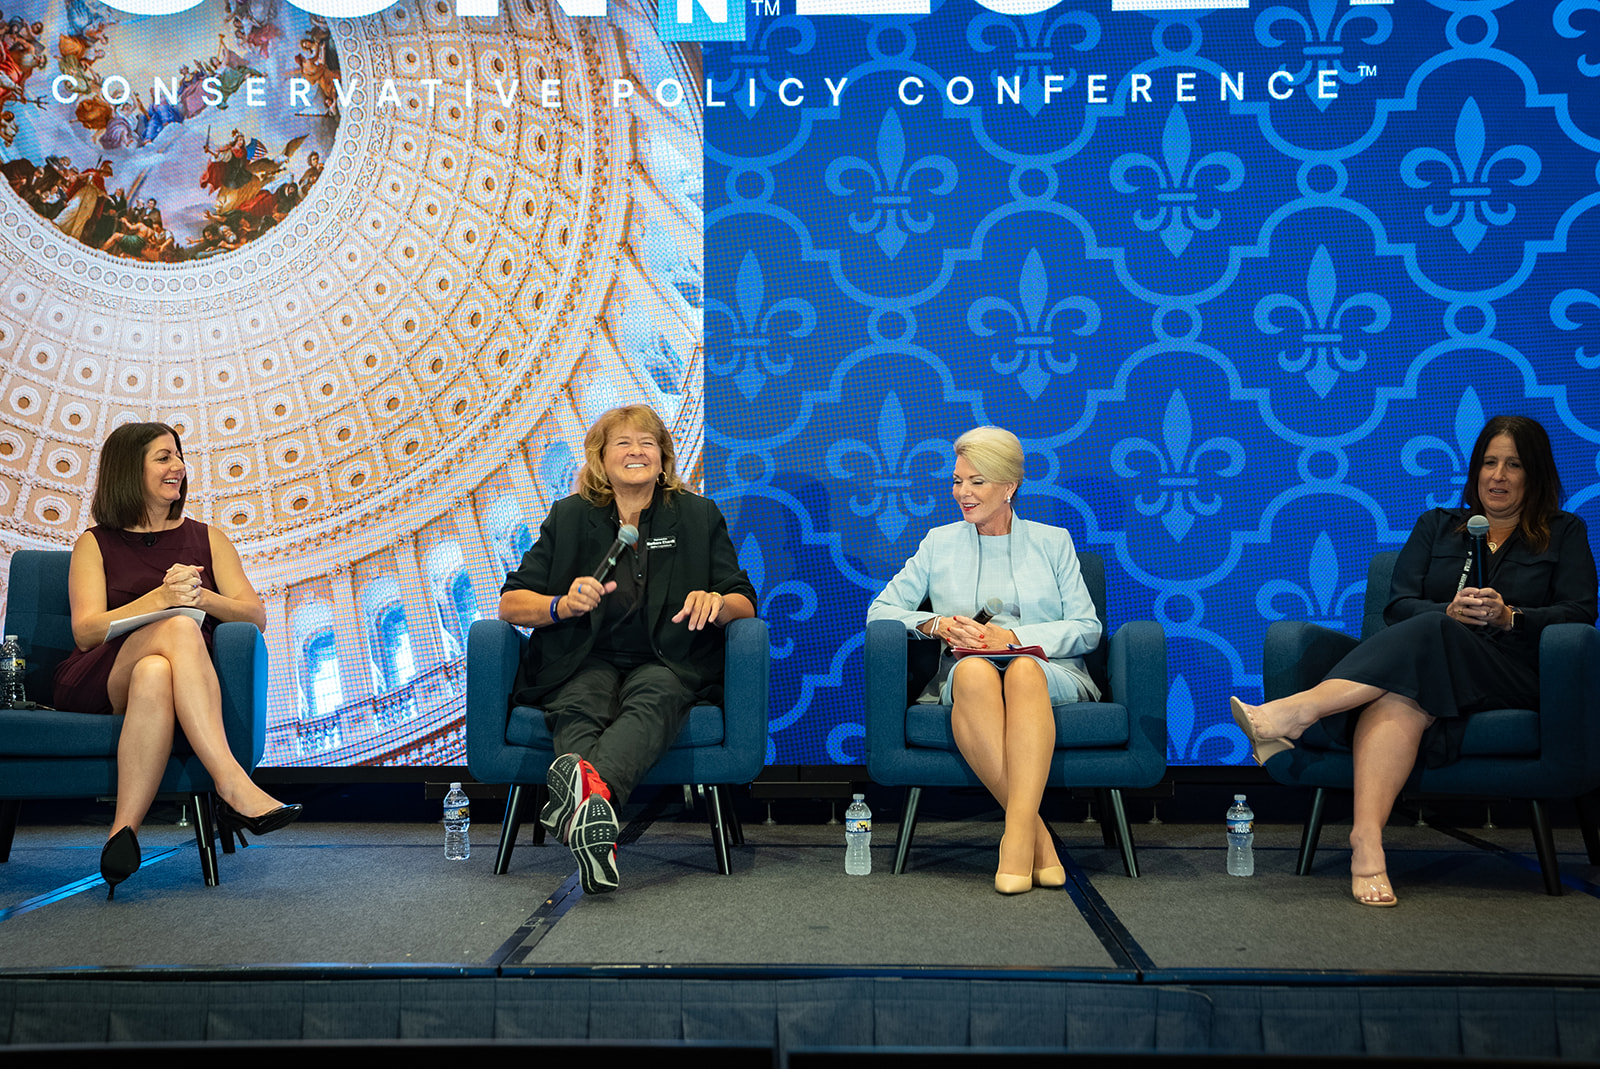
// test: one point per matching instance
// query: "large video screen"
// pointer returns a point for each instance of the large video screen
(1245, 277)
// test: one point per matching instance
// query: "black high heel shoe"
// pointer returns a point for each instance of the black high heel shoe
(119, 859)
(271, 820)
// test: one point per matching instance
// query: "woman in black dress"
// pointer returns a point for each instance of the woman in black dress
(142, 557)
(1451, 647)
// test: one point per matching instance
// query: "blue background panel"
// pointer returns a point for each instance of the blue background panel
(1245, 341)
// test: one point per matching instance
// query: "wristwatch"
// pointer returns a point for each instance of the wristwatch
(1516, 614)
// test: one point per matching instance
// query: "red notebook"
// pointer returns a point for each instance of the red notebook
(1000, 652)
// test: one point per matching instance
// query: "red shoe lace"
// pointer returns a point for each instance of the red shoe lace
(592, 783)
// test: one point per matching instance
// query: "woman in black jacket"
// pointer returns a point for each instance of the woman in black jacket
(620, 657)
(1451, 647)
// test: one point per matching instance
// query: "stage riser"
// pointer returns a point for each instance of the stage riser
(1344, 1019)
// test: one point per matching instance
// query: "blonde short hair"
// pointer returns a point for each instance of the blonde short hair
(994, 451)
(593, 485)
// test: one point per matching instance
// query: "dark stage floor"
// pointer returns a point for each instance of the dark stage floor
(364, 894)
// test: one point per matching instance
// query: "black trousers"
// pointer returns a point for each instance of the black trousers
(620, 721)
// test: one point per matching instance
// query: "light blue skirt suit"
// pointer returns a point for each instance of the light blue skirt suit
(1047, 606)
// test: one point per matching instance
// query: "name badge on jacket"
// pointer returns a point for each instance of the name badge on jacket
(664, 542)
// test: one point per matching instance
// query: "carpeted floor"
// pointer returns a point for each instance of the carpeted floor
(364, 895)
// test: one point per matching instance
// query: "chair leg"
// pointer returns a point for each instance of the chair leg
(1589, 821)
(205, 836)
(730, 817)
(1545, 845)
(1311, 833)
(510, 824)
(1119, 818)
(1107, 836)
(541, 795)
(719, 832)
(908, 828)
(8, 825)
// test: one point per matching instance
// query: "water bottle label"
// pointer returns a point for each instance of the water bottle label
(457, 813)
(855, 824)
(1241, 827)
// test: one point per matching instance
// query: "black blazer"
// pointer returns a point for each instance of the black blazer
(688, 548)
(1554, 586)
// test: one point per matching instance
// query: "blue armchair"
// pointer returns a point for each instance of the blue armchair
(1535, 754)
(1109, 745)
(62, 754)
(718, 745)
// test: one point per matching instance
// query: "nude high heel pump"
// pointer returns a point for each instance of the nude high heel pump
(1009, 883)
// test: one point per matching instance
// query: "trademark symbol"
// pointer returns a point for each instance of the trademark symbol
(768, 8)
(1367, 70)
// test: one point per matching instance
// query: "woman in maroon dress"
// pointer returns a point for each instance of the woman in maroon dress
(143, 557)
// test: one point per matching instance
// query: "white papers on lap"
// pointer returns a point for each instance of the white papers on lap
(119, 628)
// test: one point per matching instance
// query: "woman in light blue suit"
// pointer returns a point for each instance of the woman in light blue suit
(1026, 575)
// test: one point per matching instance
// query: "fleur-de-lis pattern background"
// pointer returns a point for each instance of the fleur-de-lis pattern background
(1245, 340)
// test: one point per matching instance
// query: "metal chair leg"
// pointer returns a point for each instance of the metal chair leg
(510, 824)
(205, 835)
(1119, 816)
(1588, 820)
(1107, 835)
(8, 826)
(719, 832)
(730, 815)
(541, 795)
(1311, 833)
(1545, 845)
(908, 828)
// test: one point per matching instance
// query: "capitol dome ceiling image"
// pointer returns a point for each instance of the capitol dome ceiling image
(380, 307)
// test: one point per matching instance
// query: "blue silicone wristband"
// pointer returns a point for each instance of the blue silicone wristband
(553, 603)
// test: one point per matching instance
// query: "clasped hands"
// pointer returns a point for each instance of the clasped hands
(1480, 607)
(700, 608)
(963, 632)
(181, 586)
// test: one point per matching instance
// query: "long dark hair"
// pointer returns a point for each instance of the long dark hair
(1541, 486)
(119, 501)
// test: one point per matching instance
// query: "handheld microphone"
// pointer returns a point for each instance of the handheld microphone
(627, 535)
(1478, 527)
(990, 610)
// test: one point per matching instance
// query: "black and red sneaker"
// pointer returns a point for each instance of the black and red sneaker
(594, 844)
(571, 780)
(566, 784)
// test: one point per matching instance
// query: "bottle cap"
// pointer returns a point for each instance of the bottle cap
(456, 786)
(858, 797)
(1238, 798)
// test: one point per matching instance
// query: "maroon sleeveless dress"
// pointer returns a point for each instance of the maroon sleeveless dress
(133, 569)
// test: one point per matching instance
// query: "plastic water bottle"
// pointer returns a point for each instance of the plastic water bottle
(457, 819)
(858, 837)
(12, 668)
(1241, 838)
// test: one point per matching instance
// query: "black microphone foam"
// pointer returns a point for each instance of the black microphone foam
(1478, 527)
(627, 535)
(990, 610)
